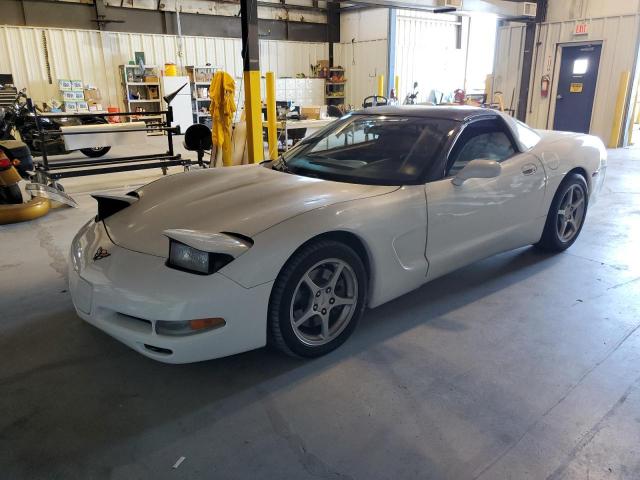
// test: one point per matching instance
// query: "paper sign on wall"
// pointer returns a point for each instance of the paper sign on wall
(576, 87)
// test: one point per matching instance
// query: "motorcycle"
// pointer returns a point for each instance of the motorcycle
(411, 98)
(16, 167)
(19, 117)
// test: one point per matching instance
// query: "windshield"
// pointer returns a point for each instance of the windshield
(371, 149)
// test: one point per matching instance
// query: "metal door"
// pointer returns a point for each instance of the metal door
(577, 88)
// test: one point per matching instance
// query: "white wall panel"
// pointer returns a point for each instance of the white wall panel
(363, 62)
(94, 57)
(508, 64)
(362, 52)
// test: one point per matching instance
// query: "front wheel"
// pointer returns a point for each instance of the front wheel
(566, 215)
(95, 152)
(317, 299)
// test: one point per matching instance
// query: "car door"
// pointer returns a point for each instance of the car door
(483, 216)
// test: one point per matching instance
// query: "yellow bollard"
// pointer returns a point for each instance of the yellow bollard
(618, 117)
(381, 86)
(253, 110)
(272, 128)
(397, 86)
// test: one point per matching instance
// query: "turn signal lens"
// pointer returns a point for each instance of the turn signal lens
(188, 327)
(206, 323)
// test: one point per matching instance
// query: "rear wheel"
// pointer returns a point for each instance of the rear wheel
(317, 299)
(566, 215)
(95, 152)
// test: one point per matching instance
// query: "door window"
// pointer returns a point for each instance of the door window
(486, 140)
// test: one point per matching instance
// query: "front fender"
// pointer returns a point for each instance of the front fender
(392, 227)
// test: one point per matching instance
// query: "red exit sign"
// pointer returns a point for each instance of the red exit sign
(582, 29)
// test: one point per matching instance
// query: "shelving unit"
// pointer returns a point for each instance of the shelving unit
(141, 92)
(334, 86)
(200, 77)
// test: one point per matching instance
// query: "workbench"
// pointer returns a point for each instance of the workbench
(286, 125)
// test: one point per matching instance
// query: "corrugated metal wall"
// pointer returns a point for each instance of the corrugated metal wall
(94, 56)
(619, 38)
(508, 64)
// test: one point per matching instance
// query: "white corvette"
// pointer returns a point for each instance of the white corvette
(215, 262)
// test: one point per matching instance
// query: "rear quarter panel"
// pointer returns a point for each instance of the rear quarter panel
(562, 152)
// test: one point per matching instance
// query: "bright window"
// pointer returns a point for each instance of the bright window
(580, 66)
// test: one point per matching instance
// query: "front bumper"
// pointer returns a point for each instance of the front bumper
(124, 293)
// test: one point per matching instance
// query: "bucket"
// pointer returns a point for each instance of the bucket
(170, 70)
(113, 118)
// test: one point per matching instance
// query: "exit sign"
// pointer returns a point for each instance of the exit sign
(581, 29)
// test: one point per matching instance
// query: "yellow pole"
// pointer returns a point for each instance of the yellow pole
(397, 86)
(381, 86)
(253, 109)
(618, 117)
(271, 116)
(488, 86)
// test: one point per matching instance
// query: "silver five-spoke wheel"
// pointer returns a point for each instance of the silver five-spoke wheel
(567, 213)
(571, 213)
(323, 302)
(318, 298)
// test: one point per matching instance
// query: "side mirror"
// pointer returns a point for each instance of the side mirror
(478, 169)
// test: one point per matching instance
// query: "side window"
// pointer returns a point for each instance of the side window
(486, 139)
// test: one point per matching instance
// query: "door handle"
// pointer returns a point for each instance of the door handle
(529, 169)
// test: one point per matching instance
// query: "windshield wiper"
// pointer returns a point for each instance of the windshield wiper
(281, 164)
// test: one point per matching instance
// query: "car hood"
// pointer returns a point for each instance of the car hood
(245, 199)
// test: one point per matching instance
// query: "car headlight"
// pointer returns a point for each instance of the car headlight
(189, 259)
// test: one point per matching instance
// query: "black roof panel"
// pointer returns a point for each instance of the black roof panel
(459, 113)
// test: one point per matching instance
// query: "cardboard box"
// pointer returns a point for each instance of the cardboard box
(64, 85)
(78, 95)
(70, 107)
(76, 85)
(314, 112)
(82, 106)
(93, 94)
(68, 96)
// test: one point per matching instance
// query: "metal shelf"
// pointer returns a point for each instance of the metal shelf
(145, 101)
(145, 84)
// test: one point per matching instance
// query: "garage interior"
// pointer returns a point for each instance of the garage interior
(524, 365)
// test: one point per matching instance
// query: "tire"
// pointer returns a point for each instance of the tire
(10, 195)
(95, 152)
(305, 289)
(573, 190)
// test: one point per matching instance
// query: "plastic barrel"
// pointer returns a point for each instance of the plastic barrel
(114, 118)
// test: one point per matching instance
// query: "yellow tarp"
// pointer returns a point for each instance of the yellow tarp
(223, 106)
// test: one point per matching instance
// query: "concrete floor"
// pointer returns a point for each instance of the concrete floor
(521, 366)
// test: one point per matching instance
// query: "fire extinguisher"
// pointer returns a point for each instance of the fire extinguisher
(545, 82)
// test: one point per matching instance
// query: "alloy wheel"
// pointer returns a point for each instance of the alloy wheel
(324, 302)
(571, 213)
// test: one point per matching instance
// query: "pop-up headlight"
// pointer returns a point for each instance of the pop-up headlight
(184, 257)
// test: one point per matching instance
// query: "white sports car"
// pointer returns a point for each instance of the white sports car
(215, 262)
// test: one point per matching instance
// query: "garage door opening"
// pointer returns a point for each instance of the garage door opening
(442, 53)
